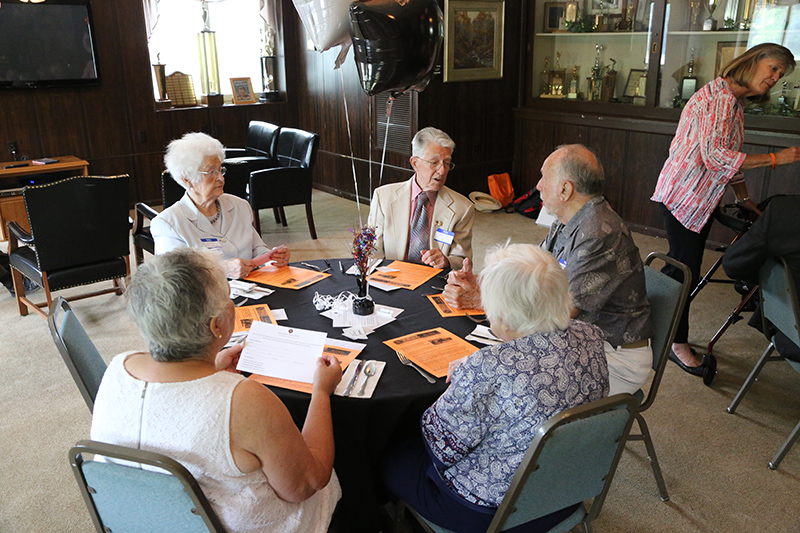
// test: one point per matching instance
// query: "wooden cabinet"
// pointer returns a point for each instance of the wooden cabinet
(15, 177)
(631, 128)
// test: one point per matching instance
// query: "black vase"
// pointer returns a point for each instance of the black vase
(362, 304)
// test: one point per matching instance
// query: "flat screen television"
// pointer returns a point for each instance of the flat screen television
(49, 44)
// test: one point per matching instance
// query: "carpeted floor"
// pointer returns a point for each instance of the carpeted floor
(714, 463)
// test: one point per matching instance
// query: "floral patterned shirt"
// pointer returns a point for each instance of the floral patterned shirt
(704, 155)
(483, 424)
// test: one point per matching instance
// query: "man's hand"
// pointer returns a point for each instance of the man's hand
(237, 268)
(280, 254)
(462, 290)
(435, 258)
(228, 358)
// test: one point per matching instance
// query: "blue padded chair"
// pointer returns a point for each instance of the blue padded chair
(572, 459)
(779, 306)
(77, 349)
(667, 299)
(123, 497)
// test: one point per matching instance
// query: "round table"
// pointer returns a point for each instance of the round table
(363, 428)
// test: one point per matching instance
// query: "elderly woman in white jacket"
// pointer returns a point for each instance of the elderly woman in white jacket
(206, 217)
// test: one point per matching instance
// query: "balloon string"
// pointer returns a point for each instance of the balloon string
(386, 136)
(370, 151)
(352, 156)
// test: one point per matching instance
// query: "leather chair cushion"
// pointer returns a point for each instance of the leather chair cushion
(24, 260)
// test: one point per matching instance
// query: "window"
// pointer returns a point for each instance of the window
(239, 30)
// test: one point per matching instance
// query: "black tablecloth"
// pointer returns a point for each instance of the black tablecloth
(363, 428)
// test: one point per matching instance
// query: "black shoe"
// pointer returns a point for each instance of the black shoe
(693, 370)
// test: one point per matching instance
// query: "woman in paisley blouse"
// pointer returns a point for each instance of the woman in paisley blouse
(476, 434)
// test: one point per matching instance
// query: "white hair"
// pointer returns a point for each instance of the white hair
(185, 156)
(430, 135)
(524, 288)
(172, 298)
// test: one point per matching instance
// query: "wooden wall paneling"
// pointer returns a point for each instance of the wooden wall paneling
(537, 142)
(645, 156)
(62, 124)
(17, 123)
(571, 134)
(610, 147)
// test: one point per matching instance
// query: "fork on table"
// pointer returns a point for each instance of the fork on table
(406, 361)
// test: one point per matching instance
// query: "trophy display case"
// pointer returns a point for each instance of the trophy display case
(650, 53)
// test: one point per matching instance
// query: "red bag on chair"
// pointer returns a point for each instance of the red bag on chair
(501, 189)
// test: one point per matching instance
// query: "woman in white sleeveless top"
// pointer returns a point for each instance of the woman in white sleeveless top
(184, 400)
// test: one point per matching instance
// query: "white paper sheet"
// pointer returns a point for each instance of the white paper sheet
(545, 218)
(281, 352)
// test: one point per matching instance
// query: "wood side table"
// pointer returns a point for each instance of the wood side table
(12, 206)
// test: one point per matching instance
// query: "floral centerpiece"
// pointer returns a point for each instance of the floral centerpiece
(363, 246)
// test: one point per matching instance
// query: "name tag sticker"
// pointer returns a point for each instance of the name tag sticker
(563, 263)
(443, 236)
(212, 243)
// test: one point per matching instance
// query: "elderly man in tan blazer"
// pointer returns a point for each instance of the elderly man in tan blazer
(421, 220)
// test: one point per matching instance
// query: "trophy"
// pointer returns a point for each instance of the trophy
(574, 84)
(689, 82)
(694, 15)
(544, 87)
(710, 24)
(595, 81)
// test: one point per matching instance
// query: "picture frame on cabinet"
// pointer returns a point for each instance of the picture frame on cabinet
(726, 51)
(473, 50)
(607, 7)
(633, 87)
(242, 91)
(554, 13)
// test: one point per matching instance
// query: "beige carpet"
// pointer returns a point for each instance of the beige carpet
(714, 463)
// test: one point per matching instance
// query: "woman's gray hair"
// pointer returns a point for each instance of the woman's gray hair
(172, 298)
(185, 156)
(741, 69)
(430, 135)
(526, 289)
(580, 165)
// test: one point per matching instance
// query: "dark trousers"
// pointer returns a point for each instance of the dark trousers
(409, 474)
(687, 247)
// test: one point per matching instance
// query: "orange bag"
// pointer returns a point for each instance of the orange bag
(501, 189)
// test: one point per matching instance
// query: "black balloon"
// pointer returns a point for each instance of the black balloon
(396, 43)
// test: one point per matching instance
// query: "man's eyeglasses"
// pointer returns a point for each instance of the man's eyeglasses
(434, 165)
(221, 171)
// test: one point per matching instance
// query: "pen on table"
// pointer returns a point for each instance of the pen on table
(434, 287)
(327, 264)
(323, 271)
(341, 269)
(315, 267)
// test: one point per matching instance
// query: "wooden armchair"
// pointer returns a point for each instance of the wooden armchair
(79, 236)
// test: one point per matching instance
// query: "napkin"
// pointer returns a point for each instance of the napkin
(371, 384)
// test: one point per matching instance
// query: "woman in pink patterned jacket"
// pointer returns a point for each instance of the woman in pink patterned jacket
(705, 156)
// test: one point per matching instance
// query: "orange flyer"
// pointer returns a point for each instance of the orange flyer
(446, 311)
(245, 316)
(287, 277)
(405, 275)
(433, 350)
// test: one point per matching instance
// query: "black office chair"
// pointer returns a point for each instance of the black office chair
(237, 177)
(260, 146)
(79, 236)
(291, 182)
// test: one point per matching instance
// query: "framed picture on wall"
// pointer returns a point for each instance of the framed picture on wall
(726, 51)
(608, 7)
(473, 40)
(554, 12)
(242, 91)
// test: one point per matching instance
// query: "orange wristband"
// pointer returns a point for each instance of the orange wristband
(774, 160)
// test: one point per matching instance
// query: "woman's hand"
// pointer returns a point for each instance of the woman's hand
(280, 254)
(788, 156)
(327, 375)
(237, 268)
(228, 358)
